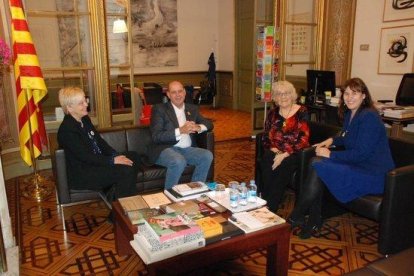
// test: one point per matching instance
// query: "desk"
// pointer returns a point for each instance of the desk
(275, 239)
(325, 113)
(397, 125)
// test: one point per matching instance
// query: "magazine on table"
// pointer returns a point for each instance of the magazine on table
(255, 220)
(137, 202)
(139, 216)
(171, 225)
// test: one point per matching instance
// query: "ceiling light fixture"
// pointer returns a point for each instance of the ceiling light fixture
(119, 26)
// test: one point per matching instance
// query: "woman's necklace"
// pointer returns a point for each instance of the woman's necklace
(286, 116)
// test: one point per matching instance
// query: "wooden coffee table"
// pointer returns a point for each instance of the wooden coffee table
(275, 239)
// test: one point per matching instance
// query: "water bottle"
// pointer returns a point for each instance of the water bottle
(243, 194)
(234, 197)
(252, 196)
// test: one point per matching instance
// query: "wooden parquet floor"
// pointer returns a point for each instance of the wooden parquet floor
(79, 241)
(228, 124)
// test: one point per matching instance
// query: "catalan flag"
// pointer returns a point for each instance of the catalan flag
(30, 86)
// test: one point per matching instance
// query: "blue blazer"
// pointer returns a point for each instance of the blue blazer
(360, 169)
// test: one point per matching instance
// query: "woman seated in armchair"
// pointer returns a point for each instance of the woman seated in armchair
(286, 132)
(91, 162)
(357, 170)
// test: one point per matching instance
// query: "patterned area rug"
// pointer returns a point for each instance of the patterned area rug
(77, 240)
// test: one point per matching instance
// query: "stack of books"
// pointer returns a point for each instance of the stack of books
(255, 220)
(399, 112)
(166, 235)
(191, 188)
(186, 191)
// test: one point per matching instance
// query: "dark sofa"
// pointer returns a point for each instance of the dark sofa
(394, 210)
(149, 178)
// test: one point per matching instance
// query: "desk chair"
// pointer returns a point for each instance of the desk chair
(126, 96)
(153, 94)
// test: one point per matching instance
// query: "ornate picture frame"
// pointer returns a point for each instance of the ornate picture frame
(395, 10)
(396, 54)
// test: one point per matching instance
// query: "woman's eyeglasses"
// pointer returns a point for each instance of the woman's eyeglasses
(285, 94)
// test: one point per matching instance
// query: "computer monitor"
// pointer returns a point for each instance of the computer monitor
(318, 82)
(405, 93)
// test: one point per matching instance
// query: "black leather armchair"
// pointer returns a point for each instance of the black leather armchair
(393, 210)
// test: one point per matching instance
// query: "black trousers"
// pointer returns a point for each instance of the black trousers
(275, 181)
(121, 178)
(310, 198)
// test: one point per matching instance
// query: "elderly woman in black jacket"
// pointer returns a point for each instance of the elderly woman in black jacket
(91, 163)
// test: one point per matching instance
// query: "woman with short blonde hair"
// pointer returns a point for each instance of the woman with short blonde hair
(91, 162)
(69, 96)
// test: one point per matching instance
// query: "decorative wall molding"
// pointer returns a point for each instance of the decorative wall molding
(338, 37)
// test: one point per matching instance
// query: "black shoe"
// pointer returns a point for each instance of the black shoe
(299, 222)
(309, 230)
(110, 218)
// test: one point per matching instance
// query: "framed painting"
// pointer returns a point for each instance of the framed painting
(396, 50)
(398, 10)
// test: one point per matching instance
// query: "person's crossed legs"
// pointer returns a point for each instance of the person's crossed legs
(175, 159)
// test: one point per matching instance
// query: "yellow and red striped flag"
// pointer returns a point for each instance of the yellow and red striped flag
(30, 86)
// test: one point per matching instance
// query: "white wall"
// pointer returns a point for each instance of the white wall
(203, 27)
(226, 35)
(368, 24)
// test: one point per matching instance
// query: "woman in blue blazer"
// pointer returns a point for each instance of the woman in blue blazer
(357, 170)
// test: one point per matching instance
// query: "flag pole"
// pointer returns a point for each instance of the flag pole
(37, 186)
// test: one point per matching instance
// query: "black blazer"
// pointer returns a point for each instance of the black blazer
(163, 125)
(79, 150)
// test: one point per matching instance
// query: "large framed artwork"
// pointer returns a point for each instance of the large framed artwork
(154, 33)
(397, 50)
(398, 10)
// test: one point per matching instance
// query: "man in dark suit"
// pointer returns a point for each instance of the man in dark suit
(173, 128)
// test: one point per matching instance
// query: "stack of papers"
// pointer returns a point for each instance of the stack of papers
(399, 112)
